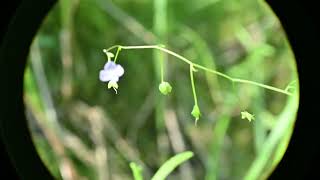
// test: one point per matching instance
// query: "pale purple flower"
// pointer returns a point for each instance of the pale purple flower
(111, 73)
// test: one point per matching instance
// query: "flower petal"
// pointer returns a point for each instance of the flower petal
(110, 65)
(114, 78)
(119, 71)
(105, 76)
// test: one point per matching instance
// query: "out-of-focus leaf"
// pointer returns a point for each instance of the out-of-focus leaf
(171, 164)
(285, 120)
(136, 171)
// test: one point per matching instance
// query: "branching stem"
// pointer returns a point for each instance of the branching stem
(286, 92)
(117, 53)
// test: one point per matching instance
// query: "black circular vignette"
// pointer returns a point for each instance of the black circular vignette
(302, 29)
(296, 18)
(13, 125)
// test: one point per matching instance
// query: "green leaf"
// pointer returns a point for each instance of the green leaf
(258, 169)
(136, 171)
(171, 164)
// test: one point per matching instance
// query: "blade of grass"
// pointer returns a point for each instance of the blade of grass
(177, 142)
(171, 164)
(50, 113)
(136, 171)
(112, 134)
(204, 4)
(130, 23)
(219, 132)
(159, 59)
(285, 120)
(66, 36)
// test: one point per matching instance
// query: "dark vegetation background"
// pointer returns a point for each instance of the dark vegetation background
(82, 130)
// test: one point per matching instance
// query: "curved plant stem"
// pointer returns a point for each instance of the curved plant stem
(202, 67)
(193, 86)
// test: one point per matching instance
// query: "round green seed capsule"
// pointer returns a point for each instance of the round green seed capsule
(165, 88)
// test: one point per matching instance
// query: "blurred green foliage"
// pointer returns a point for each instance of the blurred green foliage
(82, 130)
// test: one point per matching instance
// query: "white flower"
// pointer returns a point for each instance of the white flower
(111, 73)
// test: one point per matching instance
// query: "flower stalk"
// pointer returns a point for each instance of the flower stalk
(112, 74)
(237, 80)
(196, 110)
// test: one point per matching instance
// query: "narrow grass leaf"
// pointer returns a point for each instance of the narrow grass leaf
(136, 171)
(171, 164)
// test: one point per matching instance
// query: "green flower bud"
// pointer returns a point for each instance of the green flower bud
(196, 113)
(246, 115)
(165, 88)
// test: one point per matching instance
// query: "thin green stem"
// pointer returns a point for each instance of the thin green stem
(202, 67)
(160, 48)
(193, 86)
(262, 85)
(118, 50)
(161, 69)
(112, 47)
(213, 72)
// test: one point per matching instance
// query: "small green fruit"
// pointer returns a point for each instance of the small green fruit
(196, 112)
(165, 88)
